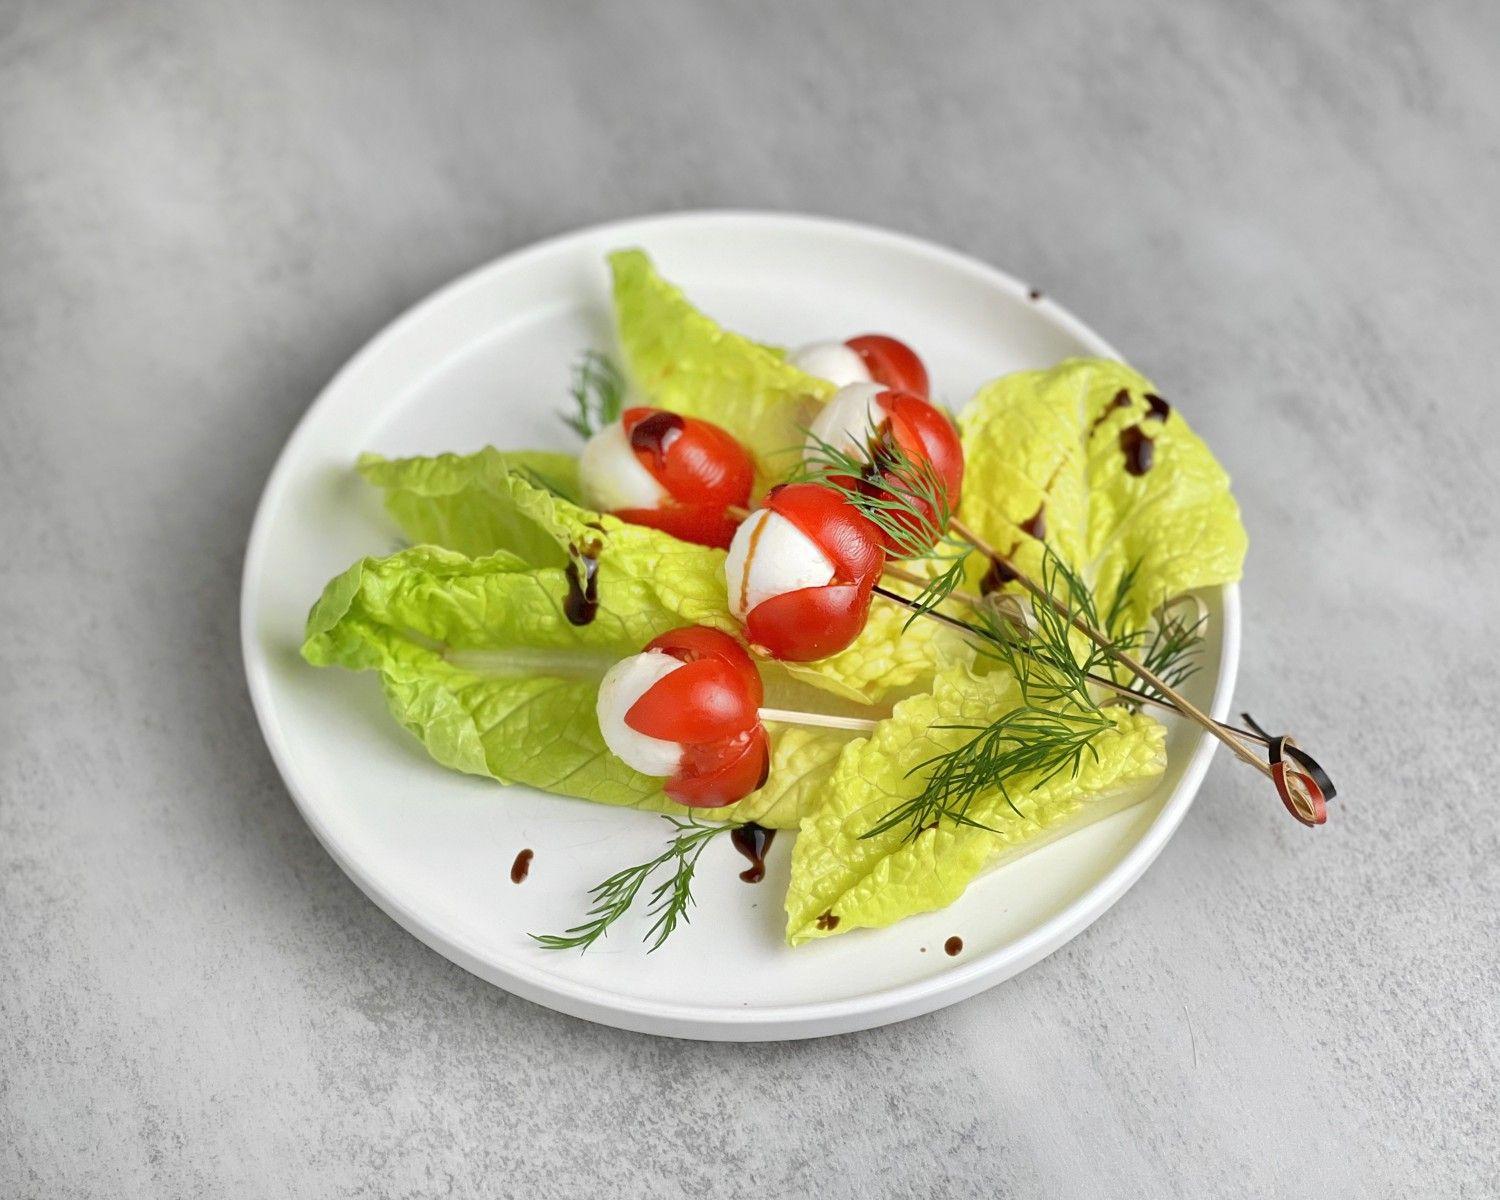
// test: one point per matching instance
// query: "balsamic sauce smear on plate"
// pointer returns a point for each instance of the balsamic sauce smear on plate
(753, 841)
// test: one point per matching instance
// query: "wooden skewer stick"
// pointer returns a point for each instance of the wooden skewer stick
(788, 716)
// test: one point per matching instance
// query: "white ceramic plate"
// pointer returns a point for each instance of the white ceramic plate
(486, 360)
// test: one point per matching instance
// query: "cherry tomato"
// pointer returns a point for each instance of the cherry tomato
(813, 622)
(702, 468)
(891, 362)
(728, 772)
(924, 435)
(711, 705)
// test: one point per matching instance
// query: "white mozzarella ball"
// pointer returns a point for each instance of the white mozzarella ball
(847, 420)
(770, 556)
(625, 683)
(832, 361)
(612, 475)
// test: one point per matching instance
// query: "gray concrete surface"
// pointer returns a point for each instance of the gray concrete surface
(1289, 214)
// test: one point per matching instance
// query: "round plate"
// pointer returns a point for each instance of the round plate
(486, 360)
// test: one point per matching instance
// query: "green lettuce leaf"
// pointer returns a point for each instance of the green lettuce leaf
(682, 360)
(1049, 443)
(842, 881)
(478, 661)
(525, 501)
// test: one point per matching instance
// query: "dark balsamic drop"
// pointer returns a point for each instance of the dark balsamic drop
(828, 921)
(1121, 400)
(953, 946)
(1035, 293)
(581, 604)
(1139, 450)
(521, 867)
(1160, 409)
(753, 842)
(655, 435)
(998, 575)
(1036, 524)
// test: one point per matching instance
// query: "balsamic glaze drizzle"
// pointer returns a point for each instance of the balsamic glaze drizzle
(753, 841)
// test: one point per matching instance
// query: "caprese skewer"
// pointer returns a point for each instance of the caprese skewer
(687, 708)
(678, 474)
(801, 570)
(869, 358)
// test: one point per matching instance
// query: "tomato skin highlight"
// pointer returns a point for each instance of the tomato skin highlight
(810, 623)
(924, 432)
(892, 362)
(689, 643)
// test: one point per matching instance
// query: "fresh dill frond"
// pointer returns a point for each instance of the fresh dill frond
(1171, 652)
(670, 901)
(1047, 734)
(903, 497)
(598, 389)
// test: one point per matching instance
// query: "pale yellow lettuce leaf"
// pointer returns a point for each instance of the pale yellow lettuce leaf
(842, 881)
(1048, 443)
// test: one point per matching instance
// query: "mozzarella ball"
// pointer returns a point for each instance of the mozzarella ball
(770, 556)
(613, 477)
(832, 361)
(625, 683)
(847, 420)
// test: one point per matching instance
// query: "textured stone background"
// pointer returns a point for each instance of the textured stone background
(1289, 214)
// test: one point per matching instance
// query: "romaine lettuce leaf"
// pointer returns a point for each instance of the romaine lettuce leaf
(680, 359)
(478, 661)
(1044, 454)
(842, 881)
(525, 501)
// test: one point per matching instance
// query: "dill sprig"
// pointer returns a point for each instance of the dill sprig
(1052, 728)
(670, 901)
(598, 389)
(903, 497)
(1170, 653)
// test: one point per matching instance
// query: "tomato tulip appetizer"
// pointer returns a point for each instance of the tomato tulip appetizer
(688, 708)
(800, 572)
(673, 473)
(869, 358)
(867, 420)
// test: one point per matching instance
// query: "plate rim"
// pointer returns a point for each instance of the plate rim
(698, 1021)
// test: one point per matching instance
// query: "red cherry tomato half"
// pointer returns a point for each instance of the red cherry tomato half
(716, 775)
(701, 701)
(925, 435)
(891, 362)
(695, 461)
(702, 524)
(692, 642)
(703, 470)
(849, 540)
(810, 623)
